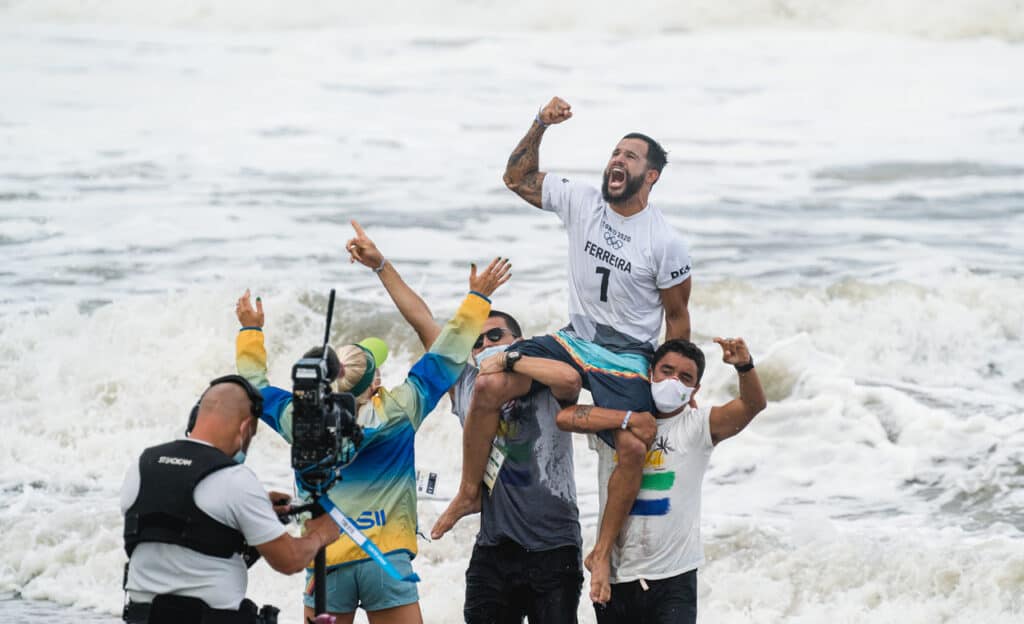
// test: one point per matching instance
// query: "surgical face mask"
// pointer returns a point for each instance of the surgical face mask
(670, 394)
(488, 352)
(239, 457)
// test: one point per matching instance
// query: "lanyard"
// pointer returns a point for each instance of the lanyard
(363, 542)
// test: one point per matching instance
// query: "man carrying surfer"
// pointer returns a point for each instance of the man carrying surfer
(655, 559)
(526, 560)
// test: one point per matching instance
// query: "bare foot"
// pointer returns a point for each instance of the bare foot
(600, 574)
(462, 505)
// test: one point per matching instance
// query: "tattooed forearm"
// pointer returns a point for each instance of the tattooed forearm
(514, 159)
(582, 414)
(525, 158)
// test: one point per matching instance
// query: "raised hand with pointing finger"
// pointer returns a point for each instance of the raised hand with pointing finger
(363, 250)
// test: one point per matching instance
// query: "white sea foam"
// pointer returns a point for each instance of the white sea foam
(862, 426)
(944, 19)
(814, 571)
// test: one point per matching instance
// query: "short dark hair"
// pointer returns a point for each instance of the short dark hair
(657, 157)
(684, 348)
(510, 322)
(333, 363)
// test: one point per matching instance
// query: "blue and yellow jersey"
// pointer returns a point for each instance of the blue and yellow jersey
(378, 487)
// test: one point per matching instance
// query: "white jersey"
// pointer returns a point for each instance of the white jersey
(661, 536)
(617, 265)
(232, 496)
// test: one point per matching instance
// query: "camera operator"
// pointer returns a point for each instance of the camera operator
(378, 486)
(191, 511)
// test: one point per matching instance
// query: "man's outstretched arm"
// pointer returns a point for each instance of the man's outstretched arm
(289, 555)
(522, 173)
(729, 419)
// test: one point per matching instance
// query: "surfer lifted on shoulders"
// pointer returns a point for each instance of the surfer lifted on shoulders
(628, 269)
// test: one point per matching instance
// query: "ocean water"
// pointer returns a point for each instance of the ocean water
(849, 176)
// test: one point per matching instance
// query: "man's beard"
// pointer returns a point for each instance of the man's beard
(633, 185)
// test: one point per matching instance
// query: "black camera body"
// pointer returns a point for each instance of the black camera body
(324, 430)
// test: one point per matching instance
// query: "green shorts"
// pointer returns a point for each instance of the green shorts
(366, 585)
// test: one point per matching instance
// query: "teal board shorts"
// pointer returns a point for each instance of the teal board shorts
(364, 584)
(615, 380)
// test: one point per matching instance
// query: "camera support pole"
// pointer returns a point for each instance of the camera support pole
(327, 326)
(320, 581)
(319, 561)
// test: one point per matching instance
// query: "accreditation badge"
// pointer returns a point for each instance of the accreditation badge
(494, 463)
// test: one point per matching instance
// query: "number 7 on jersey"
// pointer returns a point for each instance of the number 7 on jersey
(605, 274)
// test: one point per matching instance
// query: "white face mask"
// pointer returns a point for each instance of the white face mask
(670, 394)
(488, 352)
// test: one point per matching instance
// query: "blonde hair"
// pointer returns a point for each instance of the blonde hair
(353, 367)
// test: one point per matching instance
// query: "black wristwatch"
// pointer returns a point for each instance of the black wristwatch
(510, 360)
(745, 368)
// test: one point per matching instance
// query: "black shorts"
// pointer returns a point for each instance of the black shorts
(615, 380)
(665, 601)
(506, 583)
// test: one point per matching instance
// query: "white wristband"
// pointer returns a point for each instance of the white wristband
(383, 261)
(625, 421)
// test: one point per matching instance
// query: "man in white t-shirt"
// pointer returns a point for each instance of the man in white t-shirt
(656, 556)
(192, 512)
(628, 270)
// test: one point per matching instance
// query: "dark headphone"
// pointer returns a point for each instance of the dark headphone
(255, 398)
